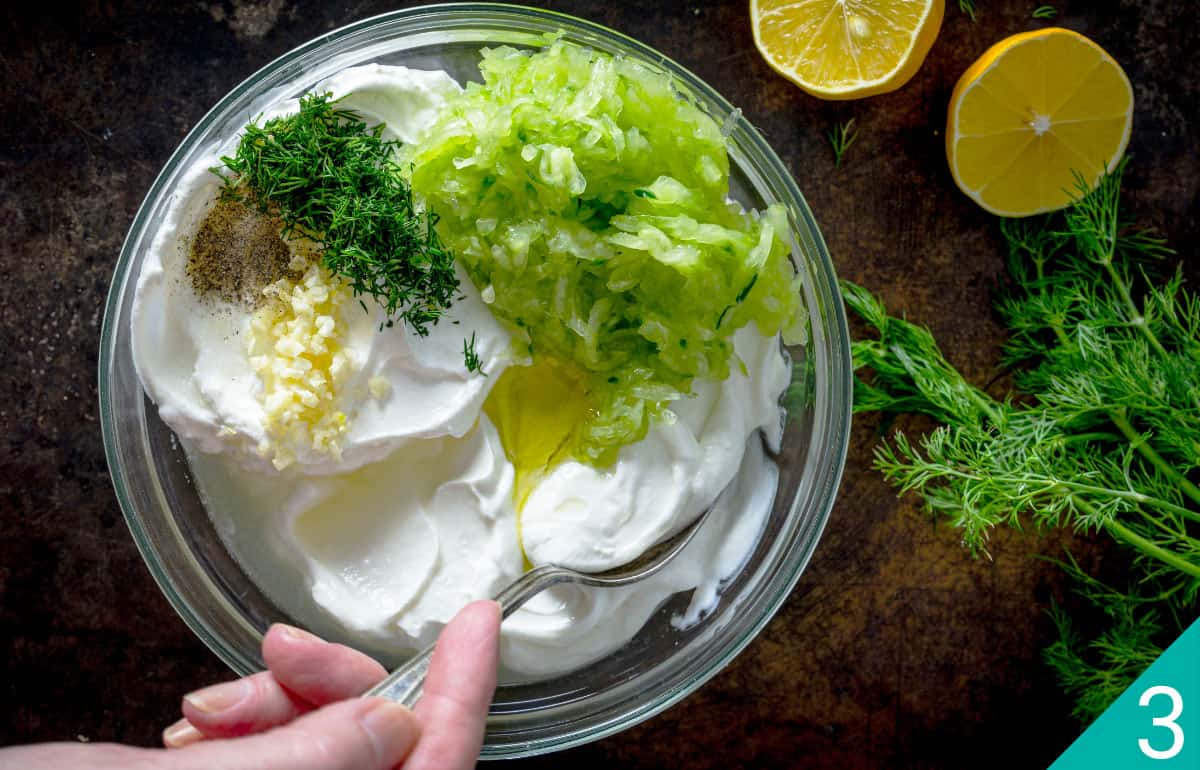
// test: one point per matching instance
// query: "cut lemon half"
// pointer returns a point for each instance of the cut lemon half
(846, 49)
(1035, 110)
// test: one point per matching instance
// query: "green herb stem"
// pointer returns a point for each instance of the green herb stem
(1084, 438)
(1135, 313)
(840, 138)
(987, 406)
(1128, 536)
(1138, 442)
(1029, 484)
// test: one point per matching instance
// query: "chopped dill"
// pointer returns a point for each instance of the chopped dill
(1044, 12)
(967, 7)
(471, 356)
(841, 137)
(333, 179)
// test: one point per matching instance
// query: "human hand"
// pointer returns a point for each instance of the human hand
(304, 712)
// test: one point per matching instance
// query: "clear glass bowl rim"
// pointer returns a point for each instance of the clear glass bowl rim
(833, 377)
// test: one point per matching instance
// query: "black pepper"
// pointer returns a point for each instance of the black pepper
(237, 251)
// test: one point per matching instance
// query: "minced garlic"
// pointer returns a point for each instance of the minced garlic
(379, 387)
(296, 348)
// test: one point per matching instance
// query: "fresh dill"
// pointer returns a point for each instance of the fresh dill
(1101, 435)
(1096, 671)
(840, 138)
(333, 179)
(1044, 12)
(471, 356)
(967, 7)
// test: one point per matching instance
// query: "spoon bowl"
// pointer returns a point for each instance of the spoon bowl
(406, 683)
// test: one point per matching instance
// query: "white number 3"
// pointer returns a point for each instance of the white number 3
(1168, 721)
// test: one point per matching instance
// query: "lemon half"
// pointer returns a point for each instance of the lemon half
(846, 49)
(1033, 111)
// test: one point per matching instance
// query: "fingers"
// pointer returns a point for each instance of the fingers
(358, 734)
(182, 733)
(305, 672)
(315, 670)
(92, 756)
(241, 707)
(458, 690)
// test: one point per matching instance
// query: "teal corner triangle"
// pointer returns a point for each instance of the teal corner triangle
(1155, 724)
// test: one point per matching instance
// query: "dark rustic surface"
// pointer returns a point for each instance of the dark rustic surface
(896, 650)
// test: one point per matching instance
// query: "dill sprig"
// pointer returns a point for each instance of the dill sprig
(333, 179)
(967, 7)
(840, 138)
(1095, 672)
(1044, 12)
(471, 356)
(1101, 435)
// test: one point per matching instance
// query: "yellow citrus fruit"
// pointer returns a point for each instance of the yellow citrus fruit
(1033, 111)
(846, 49)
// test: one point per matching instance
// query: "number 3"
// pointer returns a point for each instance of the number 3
(1168, 721)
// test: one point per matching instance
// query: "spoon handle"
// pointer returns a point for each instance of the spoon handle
(406, 683)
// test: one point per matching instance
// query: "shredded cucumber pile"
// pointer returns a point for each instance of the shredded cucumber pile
(587, 200)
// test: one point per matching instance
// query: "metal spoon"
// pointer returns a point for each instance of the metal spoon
(405, 684)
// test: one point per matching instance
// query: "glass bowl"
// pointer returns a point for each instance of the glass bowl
(662, 664)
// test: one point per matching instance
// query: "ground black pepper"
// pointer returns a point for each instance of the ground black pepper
(237, 251)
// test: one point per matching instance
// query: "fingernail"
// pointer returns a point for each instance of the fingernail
(293, 634)
(181, 734)
(219, 697)
(393, 730)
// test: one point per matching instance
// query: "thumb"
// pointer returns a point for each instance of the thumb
(358, 734)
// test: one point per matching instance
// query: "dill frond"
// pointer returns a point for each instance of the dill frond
(1101, 435)
(840, 138)
(471, 356)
